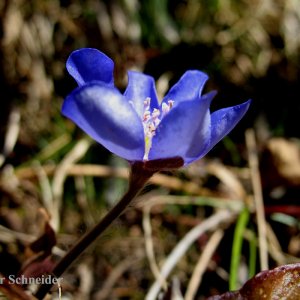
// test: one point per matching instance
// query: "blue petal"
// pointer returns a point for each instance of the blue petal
(186, 126)
(199, 145)
(105, 115)
(140, 87)
(223, 121)
(88, 64)
(189, 87)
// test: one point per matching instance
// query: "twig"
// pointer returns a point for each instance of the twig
(149, 248)
(86, 279)
(224, 203)
(202, 264)
(46, 191)
(228, 177)
(11, 135)
(54, 147)
(167, 181)
(180, 249)
(113, 277)
(258, 198)
(60, 175)
(274, 247)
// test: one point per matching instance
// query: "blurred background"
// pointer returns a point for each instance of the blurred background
(249, 49)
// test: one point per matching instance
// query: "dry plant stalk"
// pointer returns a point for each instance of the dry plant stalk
(258, 199)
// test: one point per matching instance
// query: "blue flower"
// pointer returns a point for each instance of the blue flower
(134, 125)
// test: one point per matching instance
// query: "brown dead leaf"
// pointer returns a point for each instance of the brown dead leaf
(280, 283)
(39, 252)
(280, 163)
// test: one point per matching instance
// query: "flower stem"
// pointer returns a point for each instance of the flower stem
(138, 178)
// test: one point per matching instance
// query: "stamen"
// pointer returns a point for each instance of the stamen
(166, 107)
(151, 121)
(147, 104)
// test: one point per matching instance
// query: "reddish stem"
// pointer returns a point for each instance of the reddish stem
(138, 178)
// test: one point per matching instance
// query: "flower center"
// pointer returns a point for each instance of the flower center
(151, 120)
